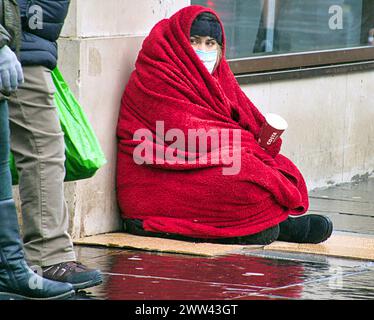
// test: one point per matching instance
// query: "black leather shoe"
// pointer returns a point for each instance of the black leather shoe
(311, 228)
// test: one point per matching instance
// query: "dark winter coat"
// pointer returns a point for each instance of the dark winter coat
(42, 21)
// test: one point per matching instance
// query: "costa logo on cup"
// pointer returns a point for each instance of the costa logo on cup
(273, 138)
(272, 129)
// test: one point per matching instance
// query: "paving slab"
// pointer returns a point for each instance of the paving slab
(352, 207)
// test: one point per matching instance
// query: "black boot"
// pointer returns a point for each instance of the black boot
(311, 228)
(17, 280)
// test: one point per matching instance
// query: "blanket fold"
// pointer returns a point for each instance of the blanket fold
(178, 189)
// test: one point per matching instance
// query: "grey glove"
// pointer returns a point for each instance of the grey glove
(11, 75)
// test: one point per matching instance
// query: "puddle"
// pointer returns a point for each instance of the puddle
(155, 276)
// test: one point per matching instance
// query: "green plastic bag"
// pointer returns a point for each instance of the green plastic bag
(84, 155)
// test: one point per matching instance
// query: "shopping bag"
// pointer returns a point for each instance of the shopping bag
(83, 152)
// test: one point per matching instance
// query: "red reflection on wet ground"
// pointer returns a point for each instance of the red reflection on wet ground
(170, 277)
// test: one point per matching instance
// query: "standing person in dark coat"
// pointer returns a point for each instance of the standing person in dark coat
(37, 142)
(17, 280)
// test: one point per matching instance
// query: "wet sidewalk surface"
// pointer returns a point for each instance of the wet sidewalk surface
(252, 274)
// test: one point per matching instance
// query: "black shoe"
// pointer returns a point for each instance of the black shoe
(17, 280)
(80, 276)
(311, 228)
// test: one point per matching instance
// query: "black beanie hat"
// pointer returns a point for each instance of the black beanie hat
(206, 24)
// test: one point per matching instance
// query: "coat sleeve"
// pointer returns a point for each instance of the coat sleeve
(4, 36)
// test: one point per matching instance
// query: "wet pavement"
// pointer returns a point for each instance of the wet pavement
(136, 275)
(350, 206)
(251, 275)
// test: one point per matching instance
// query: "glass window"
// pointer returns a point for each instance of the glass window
(267, 27)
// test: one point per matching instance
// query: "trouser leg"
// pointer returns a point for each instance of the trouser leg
(267, 236)
(37, 143)
(5, 176)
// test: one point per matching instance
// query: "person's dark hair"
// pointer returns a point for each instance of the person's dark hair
(207, 25)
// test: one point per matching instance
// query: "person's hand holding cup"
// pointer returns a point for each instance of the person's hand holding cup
(271, 130)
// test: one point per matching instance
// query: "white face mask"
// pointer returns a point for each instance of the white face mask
(209, 58)
(371, 39)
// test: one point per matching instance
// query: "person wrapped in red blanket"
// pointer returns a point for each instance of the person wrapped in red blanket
(189, 163)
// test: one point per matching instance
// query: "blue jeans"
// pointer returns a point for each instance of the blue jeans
(5, 175)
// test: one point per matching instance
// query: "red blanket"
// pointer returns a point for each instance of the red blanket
(170, 84)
